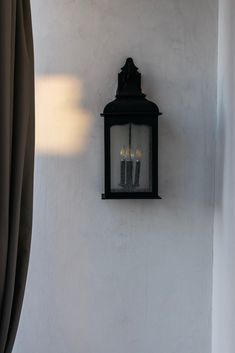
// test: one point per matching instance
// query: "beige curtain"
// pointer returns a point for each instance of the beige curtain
(16, 161)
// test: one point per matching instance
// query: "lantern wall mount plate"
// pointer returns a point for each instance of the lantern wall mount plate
(130, 140)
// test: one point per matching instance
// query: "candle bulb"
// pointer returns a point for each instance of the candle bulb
(123, 166)
(138, 156)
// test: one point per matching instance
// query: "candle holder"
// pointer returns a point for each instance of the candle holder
(129, 121)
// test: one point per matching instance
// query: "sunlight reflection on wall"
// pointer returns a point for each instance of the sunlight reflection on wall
(62, 125)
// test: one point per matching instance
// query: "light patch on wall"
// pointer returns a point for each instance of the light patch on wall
(62, 125)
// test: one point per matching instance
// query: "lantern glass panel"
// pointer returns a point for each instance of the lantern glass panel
(131, 158)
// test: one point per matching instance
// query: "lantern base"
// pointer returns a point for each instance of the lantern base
(130, 195)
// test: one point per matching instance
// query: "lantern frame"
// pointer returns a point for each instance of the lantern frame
(130, 107)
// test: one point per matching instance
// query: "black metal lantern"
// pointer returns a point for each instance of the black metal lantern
(131, 140)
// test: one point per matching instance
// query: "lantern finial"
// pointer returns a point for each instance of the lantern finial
(129, 81)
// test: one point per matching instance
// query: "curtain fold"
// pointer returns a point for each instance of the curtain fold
(16, 161)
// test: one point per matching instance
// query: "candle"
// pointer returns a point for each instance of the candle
(123, 172)
(123, 166)
(138, 155)
(129, 172)
(129, 168)
(137, 174)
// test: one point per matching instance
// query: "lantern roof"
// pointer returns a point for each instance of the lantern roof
(129, 96)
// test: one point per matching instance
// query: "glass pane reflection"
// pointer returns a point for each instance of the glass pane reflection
(131, 158)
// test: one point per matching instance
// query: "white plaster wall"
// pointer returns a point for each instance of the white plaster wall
(224, 226)
(121, 276)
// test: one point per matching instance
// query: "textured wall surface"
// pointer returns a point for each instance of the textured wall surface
(121, 276)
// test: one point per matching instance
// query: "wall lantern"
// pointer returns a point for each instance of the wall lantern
(131, 140)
